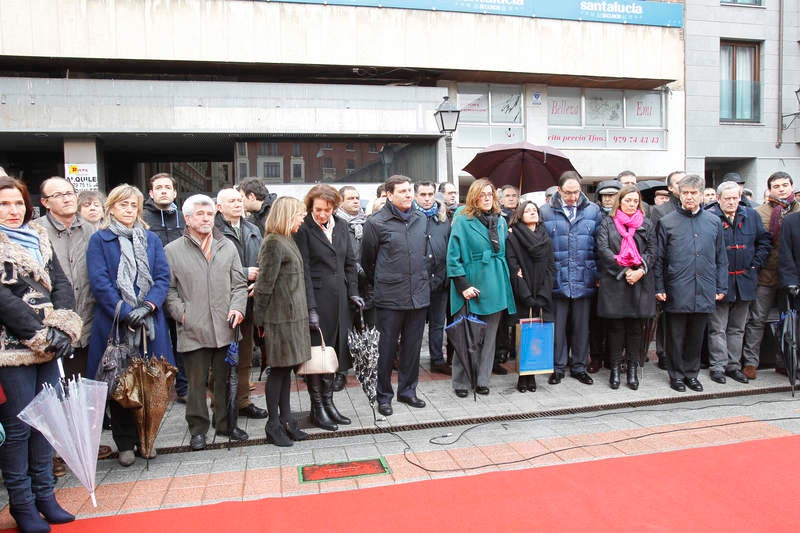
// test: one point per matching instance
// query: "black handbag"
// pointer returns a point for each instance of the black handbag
(116, 357)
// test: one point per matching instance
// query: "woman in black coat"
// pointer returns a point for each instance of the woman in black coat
(626, 295)
(329, 266)
(529, 252)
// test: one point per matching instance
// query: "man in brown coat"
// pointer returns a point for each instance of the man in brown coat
(207, 298)
(781, 202)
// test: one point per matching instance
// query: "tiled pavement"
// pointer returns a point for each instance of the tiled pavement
(656, 422)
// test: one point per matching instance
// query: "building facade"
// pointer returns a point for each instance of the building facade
(742, 82)
(339, 91)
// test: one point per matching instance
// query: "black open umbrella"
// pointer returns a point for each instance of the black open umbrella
(526, 166)
(466, 333)
(648, 189)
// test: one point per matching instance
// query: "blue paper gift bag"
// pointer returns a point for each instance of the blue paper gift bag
(534, 347)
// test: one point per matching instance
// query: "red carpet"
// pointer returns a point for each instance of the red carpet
(749, 486)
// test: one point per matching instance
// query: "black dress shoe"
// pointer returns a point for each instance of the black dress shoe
(717, 376)
(442, 368)
(385, 409)
(482, 390)
(251, 411)
(198, 442)
(413, 401)
(662, 362)
(737, 375)
(677, 385)
(583, 377)
(693, 384)
(236, 434)
(555, 378)
(531, 383)
(522, 384)
(461, 393)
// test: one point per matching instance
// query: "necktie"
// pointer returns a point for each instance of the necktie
(571, 212)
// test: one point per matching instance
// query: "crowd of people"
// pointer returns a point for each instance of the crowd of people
(283, 274)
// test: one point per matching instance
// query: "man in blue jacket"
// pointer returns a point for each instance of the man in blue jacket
(393, 254)
(748, 243)
(571, 220)
(691, 276)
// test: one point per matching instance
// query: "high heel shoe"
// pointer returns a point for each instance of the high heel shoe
(293, 431)
(613, 379)
(28, 519)
(276, 434)
(633, 377)
(52, 511)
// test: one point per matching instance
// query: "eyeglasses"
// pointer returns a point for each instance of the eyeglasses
(60, 195)
(486, 195)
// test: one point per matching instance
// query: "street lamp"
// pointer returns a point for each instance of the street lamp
(446, 116)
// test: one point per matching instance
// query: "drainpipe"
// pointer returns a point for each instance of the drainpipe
(779, 140)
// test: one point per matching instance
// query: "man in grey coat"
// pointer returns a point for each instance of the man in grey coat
(69, 234)
(691, 276)
(394, 258)
(207, 298)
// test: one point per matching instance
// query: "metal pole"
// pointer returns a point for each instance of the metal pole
(448, 143)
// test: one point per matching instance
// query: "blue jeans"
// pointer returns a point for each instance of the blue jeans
(26, 458)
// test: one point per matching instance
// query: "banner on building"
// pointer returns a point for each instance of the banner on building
(642, 12)
(83, 176)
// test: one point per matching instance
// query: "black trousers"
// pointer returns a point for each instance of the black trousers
(407, 326)
(684, 341)
(624, 334)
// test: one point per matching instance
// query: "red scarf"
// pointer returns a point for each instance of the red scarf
(779, 210)
(626, 226)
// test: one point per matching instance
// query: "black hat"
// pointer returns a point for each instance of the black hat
(733, 176)
(609, 187)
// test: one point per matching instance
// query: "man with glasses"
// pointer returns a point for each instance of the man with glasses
(69, 234)
(691, 274)
(571, 220)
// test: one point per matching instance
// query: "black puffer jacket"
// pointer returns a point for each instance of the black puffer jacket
(167, 224)
(394, 259)
(692, 264)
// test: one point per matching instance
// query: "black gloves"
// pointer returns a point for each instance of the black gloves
(313, 318)
(136, 317)
(60, 343)
(358, 301)
(793, 290)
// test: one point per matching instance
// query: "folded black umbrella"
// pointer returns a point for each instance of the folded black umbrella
(466, 333)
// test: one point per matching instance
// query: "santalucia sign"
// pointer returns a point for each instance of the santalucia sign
(643, 13)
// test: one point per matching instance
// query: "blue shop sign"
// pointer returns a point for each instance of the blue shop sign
(642, 12)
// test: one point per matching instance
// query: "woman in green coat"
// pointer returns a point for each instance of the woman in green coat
(280, 310)
(476, 264)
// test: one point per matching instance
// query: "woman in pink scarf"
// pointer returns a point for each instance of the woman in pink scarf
(626, 248)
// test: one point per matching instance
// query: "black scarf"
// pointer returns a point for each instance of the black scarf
(534, 242)
(490, 221)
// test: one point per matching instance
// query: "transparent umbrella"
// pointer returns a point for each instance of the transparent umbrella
(70, 416)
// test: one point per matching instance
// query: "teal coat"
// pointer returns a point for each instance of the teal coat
(469, 254)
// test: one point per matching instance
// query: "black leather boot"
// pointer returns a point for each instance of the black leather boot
(319, 415)
(613, 379)
(633, 377)
(28, 519)
(327, 401)
(276, 434)
(52, 511)
(294, 432)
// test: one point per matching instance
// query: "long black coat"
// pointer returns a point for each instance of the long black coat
(615, 298)
(533, 292)
(330, 275)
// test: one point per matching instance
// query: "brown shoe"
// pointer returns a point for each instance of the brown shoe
(594, 366)
(782, 371)
(104, 452)
(59, 468)
(749, 371)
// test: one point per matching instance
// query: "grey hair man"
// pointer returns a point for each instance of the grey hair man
(207, 298)
(691, 276)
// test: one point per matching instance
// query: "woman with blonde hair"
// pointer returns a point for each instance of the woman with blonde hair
(281, 313)
(476, 264)
(127, 270)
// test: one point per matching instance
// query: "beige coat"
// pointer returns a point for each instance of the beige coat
(70, 245)
(768, 275)
(201, 294)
